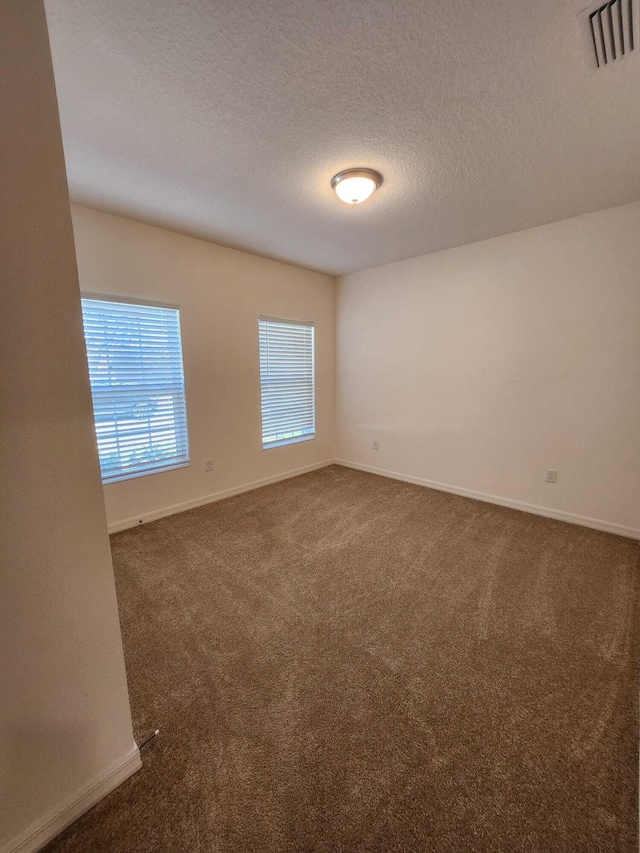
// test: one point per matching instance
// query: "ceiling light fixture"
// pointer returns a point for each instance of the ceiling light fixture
(354, 186)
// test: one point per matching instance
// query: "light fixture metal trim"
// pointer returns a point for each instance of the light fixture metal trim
(360, 172)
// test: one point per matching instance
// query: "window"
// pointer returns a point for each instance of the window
(286, 381)
(137, 383)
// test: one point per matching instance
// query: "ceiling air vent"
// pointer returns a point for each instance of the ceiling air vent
(611, 30)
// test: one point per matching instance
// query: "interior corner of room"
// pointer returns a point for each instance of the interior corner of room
(474, 369)
(347, 475)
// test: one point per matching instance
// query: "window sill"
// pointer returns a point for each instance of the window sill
(136, 474)
(286, 441)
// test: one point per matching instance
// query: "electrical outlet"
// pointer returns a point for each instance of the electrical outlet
(550, 476)
(376, 444)
(208, 465)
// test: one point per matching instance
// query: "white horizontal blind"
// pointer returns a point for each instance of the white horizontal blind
(286, 381)
(137, 384)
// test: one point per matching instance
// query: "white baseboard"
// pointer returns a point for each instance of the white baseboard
(44, 830)
(535, 509)
(126, 523)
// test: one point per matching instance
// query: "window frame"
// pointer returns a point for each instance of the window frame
(151, 303)
(300, 438)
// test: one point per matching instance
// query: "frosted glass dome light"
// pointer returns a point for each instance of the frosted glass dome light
(354, 186)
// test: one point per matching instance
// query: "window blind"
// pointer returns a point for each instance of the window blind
(286, 381)
(137, 384)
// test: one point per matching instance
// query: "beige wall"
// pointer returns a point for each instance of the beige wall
(220, 293)
(482, 366)
(64, 711)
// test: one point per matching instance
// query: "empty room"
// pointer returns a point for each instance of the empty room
(320, 426)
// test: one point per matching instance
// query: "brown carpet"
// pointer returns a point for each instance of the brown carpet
(345, 662)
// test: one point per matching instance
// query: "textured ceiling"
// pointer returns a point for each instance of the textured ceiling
(226, 119)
